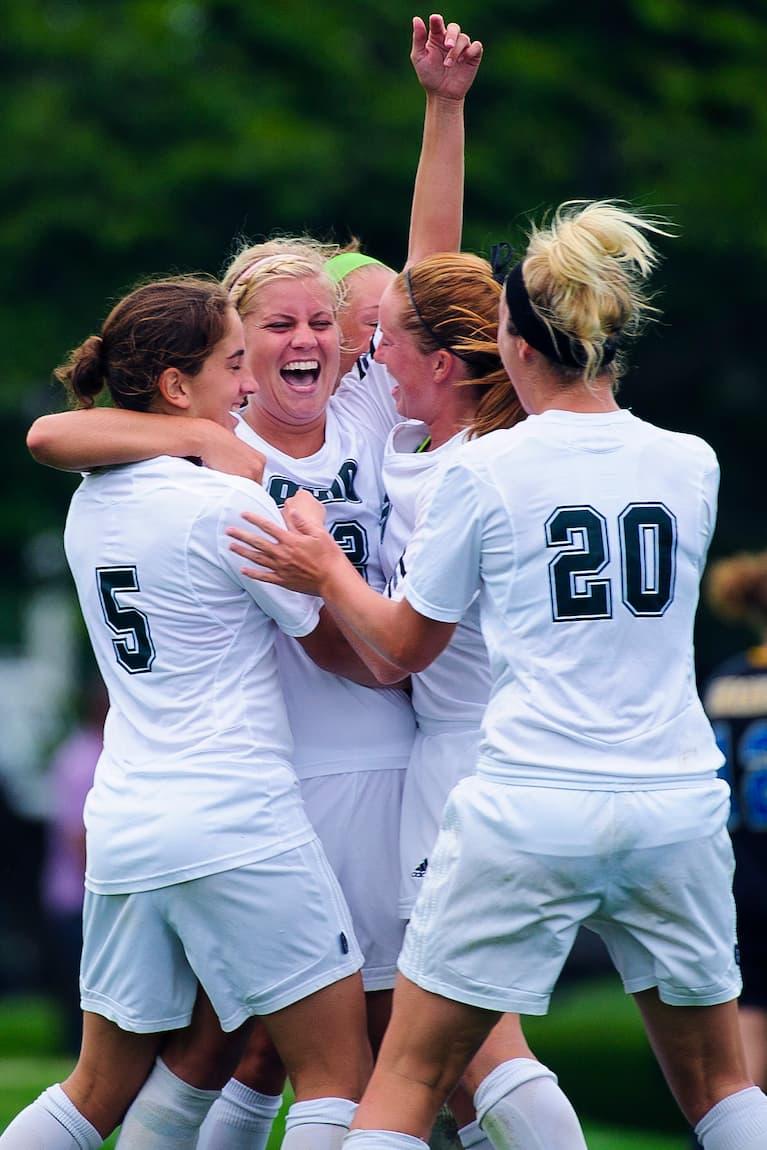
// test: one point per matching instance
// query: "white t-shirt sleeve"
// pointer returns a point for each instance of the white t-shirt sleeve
(447, 550)
(709, 501)
(364, 395)
(295, 614)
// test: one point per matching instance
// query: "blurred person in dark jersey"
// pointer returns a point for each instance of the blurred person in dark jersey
(735, 699)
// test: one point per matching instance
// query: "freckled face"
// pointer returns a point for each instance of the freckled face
(359, 316)
(292, 343)
(224, 381)
(415, 396)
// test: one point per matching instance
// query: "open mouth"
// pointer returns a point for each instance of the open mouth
(301, 372)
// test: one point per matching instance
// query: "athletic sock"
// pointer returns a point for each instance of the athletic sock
(167, 1112)
(521, 1107)
(318, 1124)
(738, 1122)
(51, 1122)
(241, 1119)
(382, 1140)
(473, 1137)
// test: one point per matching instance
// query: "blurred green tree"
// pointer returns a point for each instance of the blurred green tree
(145, 135)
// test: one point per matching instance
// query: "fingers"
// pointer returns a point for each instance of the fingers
(267, 526)
(420, 36)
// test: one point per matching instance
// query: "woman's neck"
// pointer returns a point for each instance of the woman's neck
(297, 441)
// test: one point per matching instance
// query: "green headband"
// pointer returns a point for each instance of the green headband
(340, 266)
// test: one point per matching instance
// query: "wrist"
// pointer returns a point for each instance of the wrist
(445, 104)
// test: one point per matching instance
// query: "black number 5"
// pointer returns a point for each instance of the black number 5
(133, 646)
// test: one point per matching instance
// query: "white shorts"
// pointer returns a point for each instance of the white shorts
(437, 763)
(357, 818)
(256, 938)
(516, 870)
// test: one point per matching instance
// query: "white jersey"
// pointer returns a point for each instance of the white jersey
(586, 536)
(339, 726)
(454, 690)
(195, 776)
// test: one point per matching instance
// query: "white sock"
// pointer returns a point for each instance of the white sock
(51, 1122)
(474, 1137)
(520, 1107)
(318, 1124)
(738, 1122)
(382, 1140)
(166, 1114)
(241, 1119)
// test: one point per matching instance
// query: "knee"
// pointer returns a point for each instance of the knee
(260, 1066)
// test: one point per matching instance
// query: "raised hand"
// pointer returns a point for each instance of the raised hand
(444, 58)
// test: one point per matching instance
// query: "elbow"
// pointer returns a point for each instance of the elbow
(40, 441)
(390, 676)
(407, 659)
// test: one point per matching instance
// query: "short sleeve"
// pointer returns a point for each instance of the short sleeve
(295, 614)
(446, 550)
(365, 396)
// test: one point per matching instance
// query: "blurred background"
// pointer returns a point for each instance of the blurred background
(146, 136)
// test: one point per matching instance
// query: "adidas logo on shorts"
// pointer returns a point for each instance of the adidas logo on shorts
(420, 870)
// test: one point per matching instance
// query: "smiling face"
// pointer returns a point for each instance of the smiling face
(415, 394)
(224, 382)
(359, 315)
(292, 343)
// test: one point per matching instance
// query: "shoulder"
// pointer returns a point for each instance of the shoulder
(681, 442)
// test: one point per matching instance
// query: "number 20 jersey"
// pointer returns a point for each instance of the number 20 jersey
(586, 536)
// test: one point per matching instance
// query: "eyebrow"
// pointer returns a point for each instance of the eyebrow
(322, 311)
(237, 354)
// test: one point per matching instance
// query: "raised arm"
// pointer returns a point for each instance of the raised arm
(103, 437)
(446, 62)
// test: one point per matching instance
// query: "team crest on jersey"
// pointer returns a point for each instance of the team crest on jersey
(341, 490)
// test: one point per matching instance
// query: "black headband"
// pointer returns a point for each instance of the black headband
(438, 339)
(545, 338)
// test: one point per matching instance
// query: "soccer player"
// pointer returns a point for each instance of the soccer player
(351, 744)
(439, 350)
(735, 698)
(584, 532)
(208, 897)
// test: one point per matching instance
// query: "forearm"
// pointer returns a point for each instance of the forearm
(84, 440)
(386, 673)
(437, 213)
(378, 623)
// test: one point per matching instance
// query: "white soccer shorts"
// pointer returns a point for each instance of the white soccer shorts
(357, 817)
(518, 869)
(257, 938)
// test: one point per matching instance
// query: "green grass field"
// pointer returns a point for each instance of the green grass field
(592, 1038)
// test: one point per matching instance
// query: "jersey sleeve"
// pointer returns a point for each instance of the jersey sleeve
(295, 614)
(364, 395)
(709, 501)
(446, 550)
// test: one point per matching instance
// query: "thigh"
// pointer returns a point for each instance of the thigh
(322, 1041)
(133, 970)
(357, 818)
(263, 936)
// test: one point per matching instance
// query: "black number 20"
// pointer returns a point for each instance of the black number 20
(648, 541)
(133, 645)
